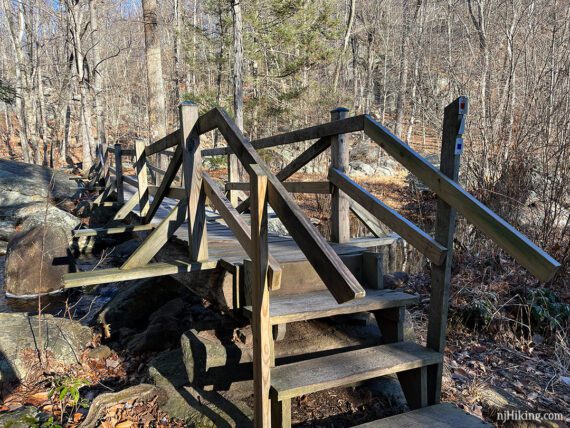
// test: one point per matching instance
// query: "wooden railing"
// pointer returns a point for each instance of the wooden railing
(346, 195)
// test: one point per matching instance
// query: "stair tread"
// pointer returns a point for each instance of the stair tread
(321, 304)
(304, 377)
(438, 416)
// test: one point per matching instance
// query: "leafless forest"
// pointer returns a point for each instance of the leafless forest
(76, 74)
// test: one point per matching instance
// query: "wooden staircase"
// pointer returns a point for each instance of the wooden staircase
(406, 359)
(317, 278)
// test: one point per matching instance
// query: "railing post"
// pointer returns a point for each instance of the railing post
(142, 177)
(119, 173)
(260, 323)
(192, 166)
(340, 206)
(233, 176)
(451, 147)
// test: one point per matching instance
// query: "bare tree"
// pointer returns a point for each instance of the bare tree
(238, 62)
(156, 95)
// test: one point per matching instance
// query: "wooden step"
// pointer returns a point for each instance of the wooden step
(305, 377)
(321, 304)
(439, 416)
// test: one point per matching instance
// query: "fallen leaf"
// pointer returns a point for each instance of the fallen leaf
(124, 424)
(38, 398)
(48, 408)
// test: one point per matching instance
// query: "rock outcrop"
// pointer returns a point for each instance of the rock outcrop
(28, 194)
(20, 336)
(23, 183)
(36, 261)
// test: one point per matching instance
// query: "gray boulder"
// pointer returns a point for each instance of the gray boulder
(7, 229)
(18, 213)
(24, 417)
(54, 218)
(36, 261)
(359, 169)
(63, 339)
(22, 183)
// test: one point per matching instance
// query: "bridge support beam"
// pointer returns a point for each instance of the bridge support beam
(340, 204)
(192, 164)
(444, 231)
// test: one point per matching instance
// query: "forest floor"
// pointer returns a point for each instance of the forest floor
(507, 335)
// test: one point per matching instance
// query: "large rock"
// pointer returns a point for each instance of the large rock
(7, 229)
(149, 315)
(24, 417)
(54, 218)
(20, 337)
(191, 403)
(36, 261)
(22, 183)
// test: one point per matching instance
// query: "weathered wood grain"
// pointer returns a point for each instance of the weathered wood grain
(295, 165)
(192, 161)
(340, 208)
(165, 183)
(105, 276)
(111, 230)
(142, 178)
(318, 187)
(320, 304)
(158, 237)
(119, 173)
(399, 224)
(317, 374)
(333, 272)
(239, 227)
(537, 261)
(260, 324)
(170, 140)
(438, 416)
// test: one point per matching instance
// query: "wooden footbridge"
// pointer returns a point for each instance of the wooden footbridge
(277, 279)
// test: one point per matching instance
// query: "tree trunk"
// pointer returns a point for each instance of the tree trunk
(234, 165)
(76, 17)
(156, 97)
(404, 69)
(238, 63)
(97, 77)
(347, 33)
(16, 38)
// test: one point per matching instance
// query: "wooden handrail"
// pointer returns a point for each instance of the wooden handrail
(239, 227)
(344, 126)
(124, 152)
(172, 192)
(318, 187)
(295, 165)
(334, 273)
(537, 261)
(168, 177)
(156, 169)
(399, 224)
(164, 143)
